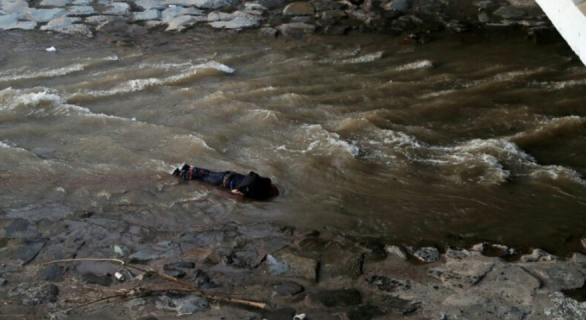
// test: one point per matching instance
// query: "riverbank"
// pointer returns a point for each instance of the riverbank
(325, 274)
(418, 20)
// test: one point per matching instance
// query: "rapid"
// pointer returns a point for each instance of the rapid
(456, 141)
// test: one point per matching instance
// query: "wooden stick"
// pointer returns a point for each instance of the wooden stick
(192, 288)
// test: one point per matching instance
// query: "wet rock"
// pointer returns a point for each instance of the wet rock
(333, 14)
(290, 265)
(462, 273)
(347, 265)
(565, 308)
(243, 259)
(121, 251)
(82, 2)
(399, 5)
(559, 276)
(101, 280)
(427, 254)
(457, 254)
(579, 258)
(219, 16)
(237, 23)
(364, 313)
(27, 252)
(75, 29)
(279, 314)
(100, 22)
(21, 228)
(299, 9)
(336, 30)
(483, 17)
(202, 239)
(538, 255)
(44, 15)
(269, 32)
(3, 282)
(150, 4)
(148, 15)
(13, 6)
(388, 284)
(51, 273)
(288, 288)
(485, 4)
(510, 12)
(583, 242)
(296, 29)
(273, 4)
(60, 22)
(205, 4)
(171, 13)
(55, 3)
(81, 11)
(144, 256)
(396, 251)
(181, 23)
(175, 273)
(179, 265)
(183, 305)
(203, 280)
(117, 9)
(11, 22)
(334, 298)
(36, 294)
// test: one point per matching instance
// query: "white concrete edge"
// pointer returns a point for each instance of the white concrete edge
(569, 21)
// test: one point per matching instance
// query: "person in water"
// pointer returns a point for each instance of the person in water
(251, 185)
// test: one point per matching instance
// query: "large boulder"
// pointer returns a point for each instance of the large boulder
(150, 4)
(299, 9)
(55, 3)
(148, 15)
(81, 11)
(170, 13)
(117, 9)
(237, 23)
(44, 15)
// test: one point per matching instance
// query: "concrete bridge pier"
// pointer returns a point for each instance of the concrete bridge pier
(569, 18)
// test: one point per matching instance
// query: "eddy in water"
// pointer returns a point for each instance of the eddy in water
(251, 185)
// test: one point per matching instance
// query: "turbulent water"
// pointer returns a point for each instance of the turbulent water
(448, 142)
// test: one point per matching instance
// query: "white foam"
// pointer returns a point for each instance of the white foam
(423, 64)
(365, 58)
(20, 75)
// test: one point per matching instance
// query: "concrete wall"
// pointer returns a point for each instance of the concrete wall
(569, 17)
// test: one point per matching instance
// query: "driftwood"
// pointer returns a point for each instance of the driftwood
(139, 292)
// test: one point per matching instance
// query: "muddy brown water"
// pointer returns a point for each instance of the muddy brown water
(454, 141)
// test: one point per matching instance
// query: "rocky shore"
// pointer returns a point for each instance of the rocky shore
(324, 274)
(418, 19)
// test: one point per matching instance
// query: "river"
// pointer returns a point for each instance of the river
(457, 141)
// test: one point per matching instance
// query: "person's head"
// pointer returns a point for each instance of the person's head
(257, 187)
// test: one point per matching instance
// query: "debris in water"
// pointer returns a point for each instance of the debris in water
(51, 49)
